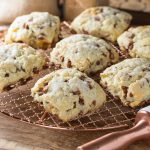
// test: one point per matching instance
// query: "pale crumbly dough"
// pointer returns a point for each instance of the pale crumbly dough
(136, 41)
(38, 29)
(104, 22)
(84, 52)
(129, 80)
(18, 61)
(68, 93)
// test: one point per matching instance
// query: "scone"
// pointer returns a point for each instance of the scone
(103, 22)
(84, 52)
(38, 29)
(68, 93)
(18, 62)
(136, 42)
(129, 80)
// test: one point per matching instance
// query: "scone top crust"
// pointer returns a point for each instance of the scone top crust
(38, 29)
(136, 41)
(129, 80)
(18, 61)
(84, 52)
(20, 54)
(68, 93)
(104, 22)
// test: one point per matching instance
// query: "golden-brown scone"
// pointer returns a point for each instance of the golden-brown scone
(38, 29)
(104, 22)
(84, 52)
(136, 41)
(68, 93)
(18, 61)
(129, 80)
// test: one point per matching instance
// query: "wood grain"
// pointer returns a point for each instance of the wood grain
(25, 137)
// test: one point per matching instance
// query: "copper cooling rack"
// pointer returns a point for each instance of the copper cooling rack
(18, 104)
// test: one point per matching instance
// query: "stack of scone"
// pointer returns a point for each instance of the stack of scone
(68, 92)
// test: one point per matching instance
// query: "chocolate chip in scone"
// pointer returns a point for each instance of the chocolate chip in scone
(146, 69)
(97, 18)
(89, 85)
(94, 102)
(73, 31)
(115, 13)
(147, 80)
(69, 64)
(101, 10)
(104, 54)
(98, 62)
(65, 80)
(81, 101)
(20, 41)
(35, 70)
(50, 23)
(76, 51)
(68, 110)
(125, 91)
(46, 83)
(130, 76)
(62, 58)
(131, 95)
(82, 77)
(115, 25)
(84, 31)
(45, 66)
(40, 89)
(7, 75)
(97, 45)
(74, 105)
(77, 92)
(130, 35)
(26, 26)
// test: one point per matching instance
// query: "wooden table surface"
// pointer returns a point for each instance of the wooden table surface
(16, 135)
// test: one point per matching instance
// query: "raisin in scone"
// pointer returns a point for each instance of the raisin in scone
(104, 22)
(136, 41)
(84, 52)
(38, 29)
(68, 93)
(129, 80)
(17, 62)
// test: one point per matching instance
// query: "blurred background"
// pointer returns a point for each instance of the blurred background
(68, 9)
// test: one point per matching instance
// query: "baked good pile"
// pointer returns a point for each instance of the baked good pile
(69, 91)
